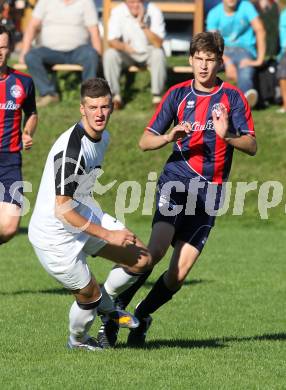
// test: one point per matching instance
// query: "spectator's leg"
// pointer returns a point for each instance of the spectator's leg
(230, 64)
(158, 69)
(36, 60)
(112, 66)
(86, 56)
(245, 78)
(245, 75)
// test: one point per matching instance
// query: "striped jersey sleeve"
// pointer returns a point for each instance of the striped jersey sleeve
(241, 115)
(69, 164)
(169, 109)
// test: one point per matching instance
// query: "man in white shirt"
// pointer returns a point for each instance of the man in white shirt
(69, 34)
(136, 30)
(67, 225)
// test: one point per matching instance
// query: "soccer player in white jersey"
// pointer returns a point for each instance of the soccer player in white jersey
(67, 225)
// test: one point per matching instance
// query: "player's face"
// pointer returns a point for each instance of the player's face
(95, 114)
(4, 49)
(134, 6)
(205, 67)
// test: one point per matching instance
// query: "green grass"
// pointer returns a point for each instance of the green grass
(226, 327)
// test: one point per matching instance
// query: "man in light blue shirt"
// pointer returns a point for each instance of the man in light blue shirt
(244, 36)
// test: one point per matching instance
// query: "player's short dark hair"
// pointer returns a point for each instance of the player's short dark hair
(4, 30)
(94, 88)
(207, 42)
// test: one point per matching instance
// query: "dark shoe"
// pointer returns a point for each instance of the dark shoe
(137, 336)
(107, 334)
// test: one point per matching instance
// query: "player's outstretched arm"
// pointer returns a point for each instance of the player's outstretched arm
(151, 141)
(65, 211)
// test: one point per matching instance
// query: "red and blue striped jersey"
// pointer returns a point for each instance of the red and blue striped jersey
(17, 93)
(202, 152)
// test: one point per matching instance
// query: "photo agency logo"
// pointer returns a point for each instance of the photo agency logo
(131, 196)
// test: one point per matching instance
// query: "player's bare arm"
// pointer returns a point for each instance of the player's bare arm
(65, 211)
(244, 143)
(29, 130)
(151, 141)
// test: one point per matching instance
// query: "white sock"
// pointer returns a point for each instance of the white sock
(80, 322)
(117, 281)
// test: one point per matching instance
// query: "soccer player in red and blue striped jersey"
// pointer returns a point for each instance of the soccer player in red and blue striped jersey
(17, 94)
(208, 119)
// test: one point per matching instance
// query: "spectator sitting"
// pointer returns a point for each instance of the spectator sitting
(69, 35)
(135, 35)
(281, 71)
(244, 36)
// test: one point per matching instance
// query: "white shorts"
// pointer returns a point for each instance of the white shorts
(73, 271)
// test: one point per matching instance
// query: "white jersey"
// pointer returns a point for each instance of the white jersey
(71, 169)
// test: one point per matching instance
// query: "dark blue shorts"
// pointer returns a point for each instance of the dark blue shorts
(190, 205)
(11, 182)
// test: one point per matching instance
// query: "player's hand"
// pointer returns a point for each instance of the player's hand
(121, 238)
(27, 141)
(220, 121)
(178, 132)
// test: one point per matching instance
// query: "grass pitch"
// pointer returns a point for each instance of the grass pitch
(226, 327)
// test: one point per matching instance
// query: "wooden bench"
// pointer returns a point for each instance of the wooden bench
(78, 68)
(56, 68)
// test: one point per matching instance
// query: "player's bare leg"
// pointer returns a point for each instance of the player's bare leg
(182, 261)
(9, 221)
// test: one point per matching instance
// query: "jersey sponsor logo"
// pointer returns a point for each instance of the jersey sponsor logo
(9, 105)
(198, 126)
(16, 91)
(190, 104)
(217, 108)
